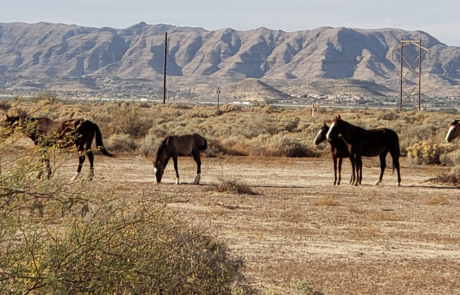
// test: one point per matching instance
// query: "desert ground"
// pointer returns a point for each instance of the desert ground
(297, 226)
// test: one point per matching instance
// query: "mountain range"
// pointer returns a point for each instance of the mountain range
(198, 56)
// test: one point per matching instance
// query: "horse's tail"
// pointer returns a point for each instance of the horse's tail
(397, 152)
(99, 143)
(204, 146)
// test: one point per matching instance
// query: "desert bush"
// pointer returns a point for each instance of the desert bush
(226, 108)
(121, 143)
(279, 145)
(234, 186)
(128, 119)
(45, 95)
(424, 153)
(149, 145)
(268, 109)
(60, 238)
(4, 105)
(302, 287)
(18, 111)
(451, 158)
(389, 115)
(214, 149)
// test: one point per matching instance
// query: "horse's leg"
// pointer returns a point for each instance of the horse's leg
(334, 160)
(359, 170)
(176, 169)
(395, 156)
(352, 162)
(81, 160)
(340, 170)
(196, 157)
(91, 164)
(383, 164)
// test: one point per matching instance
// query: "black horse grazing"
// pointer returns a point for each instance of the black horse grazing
(339, 150)
(454, 131)
(368, 143)
(62, 134)
(179, 145)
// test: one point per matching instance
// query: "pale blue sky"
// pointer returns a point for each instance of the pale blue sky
(439, 18)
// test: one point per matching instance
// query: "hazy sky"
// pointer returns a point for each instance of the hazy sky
(439, 18)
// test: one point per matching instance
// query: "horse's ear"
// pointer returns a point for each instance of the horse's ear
(339, 118)
(324, 124)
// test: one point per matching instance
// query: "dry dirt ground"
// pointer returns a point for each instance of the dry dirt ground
(342, 239)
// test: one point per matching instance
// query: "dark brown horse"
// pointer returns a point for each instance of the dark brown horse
(368, 143)
(179, 145)
(339, 150)
(454, 131)
(61, 134)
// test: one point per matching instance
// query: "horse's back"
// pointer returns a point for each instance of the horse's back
(48, 125)
(186, 143)
(378, 140)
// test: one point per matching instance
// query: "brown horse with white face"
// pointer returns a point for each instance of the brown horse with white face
(368, 143)
(179, 145)
(339, 150)
(45, 132)
(454, 131)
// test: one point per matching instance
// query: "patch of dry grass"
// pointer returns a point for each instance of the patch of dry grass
(234, 186)
(325, 201)
(437, 200)
(383, 216)
(354, 209)
(366, 232)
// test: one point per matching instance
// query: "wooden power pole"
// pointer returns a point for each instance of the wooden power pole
(164, 68)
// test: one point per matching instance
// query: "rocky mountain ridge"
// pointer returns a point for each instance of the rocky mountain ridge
(198, 56)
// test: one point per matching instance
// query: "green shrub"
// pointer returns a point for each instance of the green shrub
(302, 287)
(58, 237)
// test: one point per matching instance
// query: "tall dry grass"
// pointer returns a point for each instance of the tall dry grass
(252, 131)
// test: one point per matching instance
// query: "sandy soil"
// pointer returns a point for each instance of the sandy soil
(344, 240)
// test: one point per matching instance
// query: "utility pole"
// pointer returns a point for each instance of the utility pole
(411, 69)
(164, 68)
(218, 93)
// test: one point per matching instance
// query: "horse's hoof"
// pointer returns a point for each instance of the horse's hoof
(377, 182)
(398, 184)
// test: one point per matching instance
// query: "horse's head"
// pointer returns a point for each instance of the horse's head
(160, 160)
(335, 128)
(321, 134)
(454, 131)
(158, 168)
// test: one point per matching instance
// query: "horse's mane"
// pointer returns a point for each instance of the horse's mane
(338, 118)
(161, 148)
(455, 122)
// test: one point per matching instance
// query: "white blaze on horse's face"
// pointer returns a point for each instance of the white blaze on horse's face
(328, 135)
(451, 129)
(317, 138)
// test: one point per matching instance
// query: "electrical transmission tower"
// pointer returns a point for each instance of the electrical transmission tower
(416, 88)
